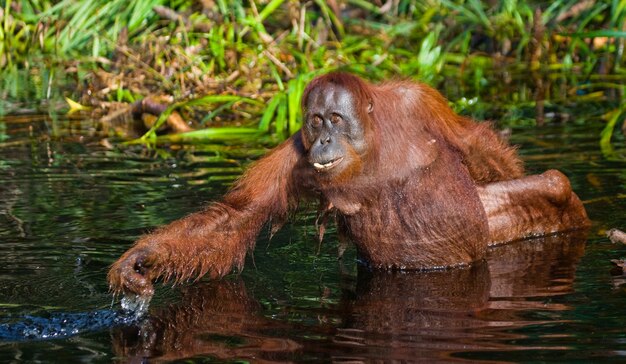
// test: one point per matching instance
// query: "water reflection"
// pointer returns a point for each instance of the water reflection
(431, 316)
(69, 208)
(219, 319)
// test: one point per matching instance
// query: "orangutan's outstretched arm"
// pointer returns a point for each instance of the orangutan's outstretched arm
(214, 240)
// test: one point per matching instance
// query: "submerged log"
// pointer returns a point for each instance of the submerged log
(134, 119)
(156, 105)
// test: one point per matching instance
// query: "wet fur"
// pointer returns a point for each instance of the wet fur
(432, 190)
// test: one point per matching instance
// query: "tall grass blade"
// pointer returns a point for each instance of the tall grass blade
(612, 118)
(268, 115)
(211, 135)
(270, 8)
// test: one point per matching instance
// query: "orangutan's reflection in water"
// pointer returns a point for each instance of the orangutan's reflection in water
(391, 316)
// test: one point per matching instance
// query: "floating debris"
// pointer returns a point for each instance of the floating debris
(616, 236)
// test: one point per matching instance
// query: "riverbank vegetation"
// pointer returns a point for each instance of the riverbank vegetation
(224, 69)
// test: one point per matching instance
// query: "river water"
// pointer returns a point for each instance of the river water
(69, 206)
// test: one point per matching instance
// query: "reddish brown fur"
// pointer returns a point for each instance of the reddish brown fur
(215, 240)
(431, 190)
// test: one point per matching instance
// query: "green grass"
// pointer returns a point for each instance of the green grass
(246, 63)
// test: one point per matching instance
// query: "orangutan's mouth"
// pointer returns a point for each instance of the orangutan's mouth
(326, 166)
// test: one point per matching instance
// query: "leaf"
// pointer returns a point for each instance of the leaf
(214, 99)
(269, 9)
(211, 135)
(75, 106)
(605, 136)
(599, 33)
(264, 124)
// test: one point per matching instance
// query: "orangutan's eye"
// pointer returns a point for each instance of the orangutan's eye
(334, 118)
(316, 121)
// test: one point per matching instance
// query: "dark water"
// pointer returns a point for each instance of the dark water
(69, 207)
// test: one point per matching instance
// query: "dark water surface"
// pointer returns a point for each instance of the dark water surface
(69, 207)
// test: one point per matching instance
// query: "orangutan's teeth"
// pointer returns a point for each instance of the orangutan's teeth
(328, 165)
(322, 166)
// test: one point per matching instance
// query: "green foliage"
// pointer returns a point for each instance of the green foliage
(220, 134)
(211, 135)
(70, 28)
(267, 50)
(612, 117)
